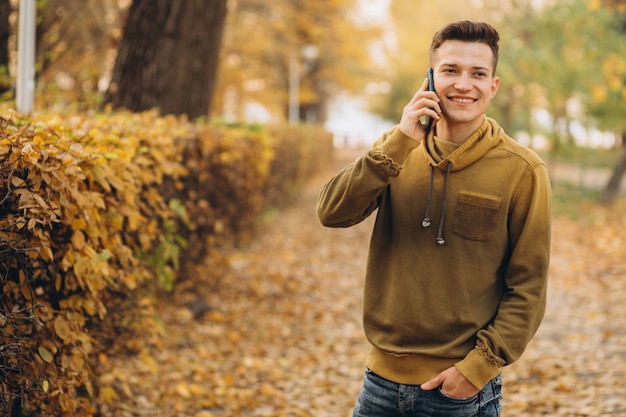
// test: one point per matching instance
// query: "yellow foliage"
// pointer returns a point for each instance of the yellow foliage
(109, 207)
(599, 93)
(594, 5)
(108, 395)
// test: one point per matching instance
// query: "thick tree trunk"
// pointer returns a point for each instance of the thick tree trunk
(612, 188)
(168, 56)
(5, 11)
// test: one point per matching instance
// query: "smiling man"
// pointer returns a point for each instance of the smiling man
(447, 306)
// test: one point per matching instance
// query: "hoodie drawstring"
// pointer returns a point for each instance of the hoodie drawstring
(426, 221)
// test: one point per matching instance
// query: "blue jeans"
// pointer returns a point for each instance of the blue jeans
(382, 398)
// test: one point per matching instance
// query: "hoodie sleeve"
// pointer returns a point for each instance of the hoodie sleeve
(523, 304)
(352, 195)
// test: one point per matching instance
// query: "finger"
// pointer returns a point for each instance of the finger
(422, 106)
(433, 111)
(433, 383)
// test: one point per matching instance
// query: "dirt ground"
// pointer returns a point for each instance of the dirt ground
(283, 335)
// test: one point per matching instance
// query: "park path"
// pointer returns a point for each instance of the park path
(282, 336)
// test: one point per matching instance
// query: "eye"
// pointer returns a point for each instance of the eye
(481, 74)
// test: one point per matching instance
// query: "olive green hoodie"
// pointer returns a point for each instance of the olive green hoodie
(470, 288)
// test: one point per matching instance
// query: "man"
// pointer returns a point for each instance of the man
(447, 305)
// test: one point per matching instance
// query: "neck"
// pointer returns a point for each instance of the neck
(457, 132)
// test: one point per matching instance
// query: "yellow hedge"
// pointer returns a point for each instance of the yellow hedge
(96, 211)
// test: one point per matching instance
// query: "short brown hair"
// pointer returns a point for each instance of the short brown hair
(468, 31)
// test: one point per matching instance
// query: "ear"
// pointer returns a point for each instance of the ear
(495, 84)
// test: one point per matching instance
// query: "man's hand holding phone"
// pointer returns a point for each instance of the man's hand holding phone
(425, 103)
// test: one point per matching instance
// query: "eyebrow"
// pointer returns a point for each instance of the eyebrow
(457, 65)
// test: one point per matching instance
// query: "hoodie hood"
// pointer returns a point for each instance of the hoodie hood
(471, 150)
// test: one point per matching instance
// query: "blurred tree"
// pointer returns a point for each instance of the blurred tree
(569, 59)
(75, 49)
(607, 103)
(5, 12)
(521, 84)
(260, 39)
(546, 57)
(168, 57)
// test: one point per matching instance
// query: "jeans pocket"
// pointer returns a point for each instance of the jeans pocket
(457, 400)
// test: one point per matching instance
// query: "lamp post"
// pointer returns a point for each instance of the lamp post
(25, 88)
(308, 53)
(294, 88)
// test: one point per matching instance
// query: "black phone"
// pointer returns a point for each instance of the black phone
(431, 87)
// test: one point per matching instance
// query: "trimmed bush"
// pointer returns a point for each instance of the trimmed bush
(97, 212)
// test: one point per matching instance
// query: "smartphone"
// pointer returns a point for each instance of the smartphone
(431, 87)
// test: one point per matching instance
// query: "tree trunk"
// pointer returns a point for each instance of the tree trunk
(5, 11)
(612, 188)
(168, 57)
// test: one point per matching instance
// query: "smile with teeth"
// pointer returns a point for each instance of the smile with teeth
(462, 100)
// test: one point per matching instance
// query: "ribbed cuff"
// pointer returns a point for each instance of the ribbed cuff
(477, 368)
(397, 146)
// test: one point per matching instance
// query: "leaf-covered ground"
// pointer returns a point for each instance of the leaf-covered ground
(281, 331)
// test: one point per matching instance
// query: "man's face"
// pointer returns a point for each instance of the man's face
(464, 81)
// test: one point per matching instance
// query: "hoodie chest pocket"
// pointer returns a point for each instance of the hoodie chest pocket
(475, 216)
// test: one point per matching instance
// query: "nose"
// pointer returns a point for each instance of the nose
(463, 82)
